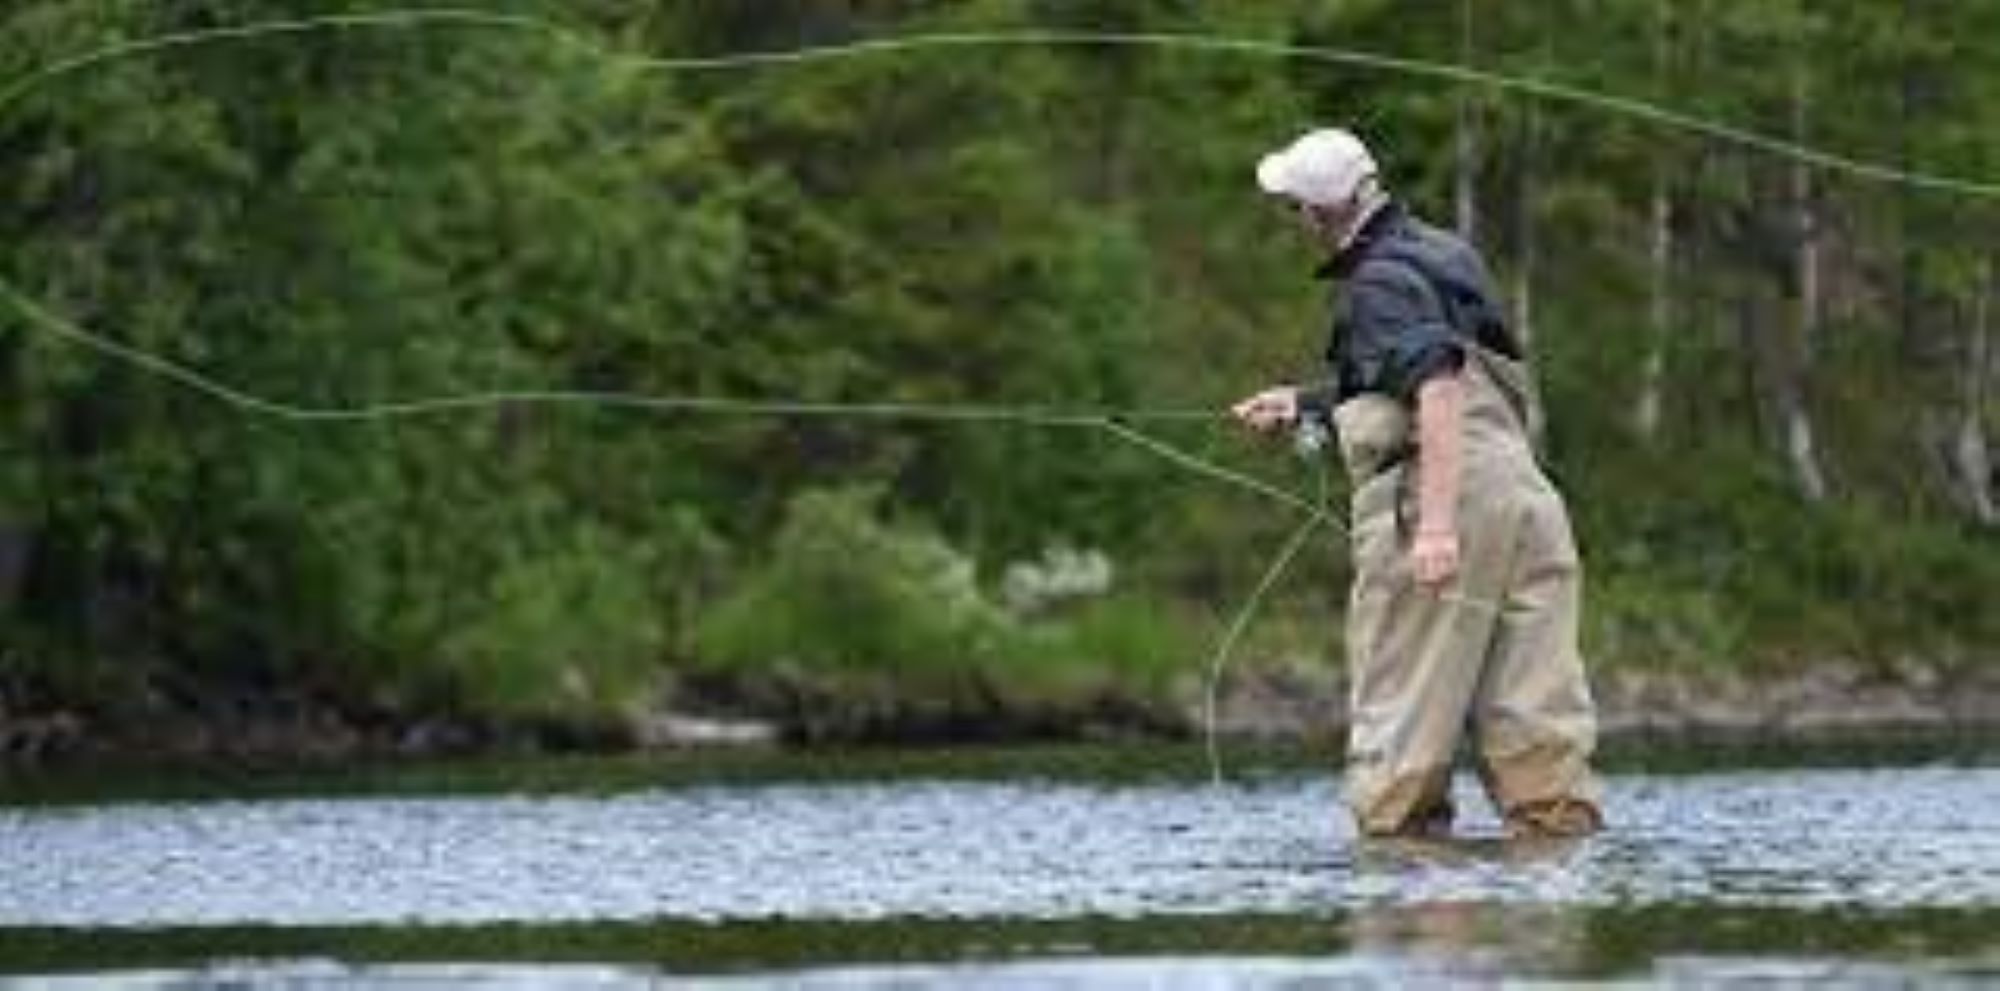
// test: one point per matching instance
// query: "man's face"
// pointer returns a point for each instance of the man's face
(1326, 224)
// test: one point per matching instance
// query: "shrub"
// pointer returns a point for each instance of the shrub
(841, 590)
(568, 632)
(846, 595)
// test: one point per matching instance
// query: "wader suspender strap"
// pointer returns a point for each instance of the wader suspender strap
(1449, 294)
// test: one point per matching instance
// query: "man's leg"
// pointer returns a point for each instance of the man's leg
(1413, 657)
(1535, 722)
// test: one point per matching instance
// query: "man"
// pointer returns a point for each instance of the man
(1463, 613)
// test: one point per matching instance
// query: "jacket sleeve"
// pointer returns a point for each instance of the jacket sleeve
(1399, 335)
(1317, 399)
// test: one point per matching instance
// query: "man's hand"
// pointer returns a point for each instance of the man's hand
(1270, 410)
(1434, 557)
(1434, 551)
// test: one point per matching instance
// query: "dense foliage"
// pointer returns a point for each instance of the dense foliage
(1768, 383)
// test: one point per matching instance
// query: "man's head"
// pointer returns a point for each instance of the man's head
(1330, 177)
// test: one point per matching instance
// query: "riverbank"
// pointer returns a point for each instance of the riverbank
(1811, 702)
(1278, 703)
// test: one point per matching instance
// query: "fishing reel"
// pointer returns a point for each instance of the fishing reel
(1311, 437)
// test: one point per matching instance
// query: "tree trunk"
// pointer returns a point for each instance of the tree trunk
(1907, 288)
(1659, 317)
(1527, 251)
(1971, 457)
(1646, 411)
(1466, 188)
(1756, 363)
(1800, 449)
(17, 544)
(1794, 390)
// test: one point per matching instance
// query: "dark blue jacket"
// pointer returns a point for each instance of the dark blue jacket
(1406, 297)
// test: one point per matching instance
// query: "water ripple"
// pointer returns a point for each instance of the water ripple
(1873, 839)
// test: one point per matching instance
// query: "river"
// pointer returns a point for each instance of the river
(1065, 868)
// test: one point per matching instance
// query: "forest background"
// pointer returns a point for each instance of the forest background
(1769, 378)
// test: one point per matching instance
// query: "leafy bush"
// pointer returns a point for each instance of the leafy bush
(570, 632)
(843, 591)
(1133, 645)
(846, 594)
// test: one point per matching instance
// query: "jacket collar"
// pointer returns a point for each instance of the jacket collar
(1387, 219)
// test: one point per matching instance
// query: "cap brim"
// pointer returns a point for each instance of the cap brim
(1274, 175)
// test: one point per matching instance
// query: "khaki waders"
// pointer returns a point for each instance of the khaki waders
(1493, 651)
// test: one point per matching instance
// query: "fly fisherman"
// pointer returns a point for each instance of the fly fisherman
(1464, 609)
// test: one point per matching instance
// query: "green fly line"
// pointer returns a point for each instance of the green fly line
(1543, 89)
(1116, 421)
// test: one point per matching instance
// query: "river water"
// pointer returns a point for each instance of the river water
(1026, 875)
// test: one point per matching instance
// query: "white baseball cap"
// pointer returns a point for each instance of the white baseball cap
(1327, 166)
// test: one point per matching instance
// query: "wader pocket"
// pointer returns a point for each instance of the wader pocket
(1374, 434)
